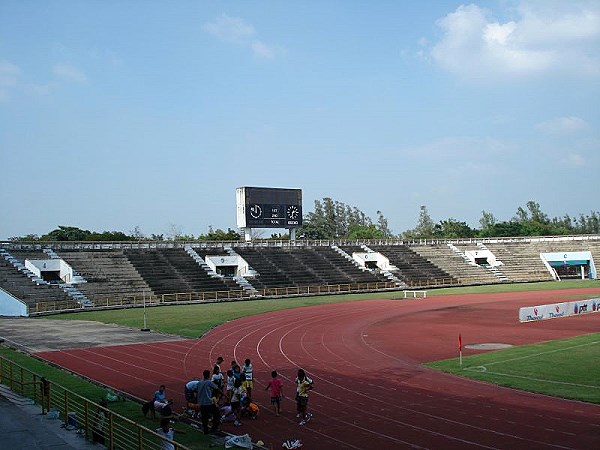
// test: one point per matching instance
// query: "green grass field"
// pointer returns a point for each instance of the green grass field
(565, 368)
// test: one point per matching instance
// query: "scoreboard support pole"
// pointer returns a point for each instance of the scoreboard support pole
(247, 234)
(292, 234)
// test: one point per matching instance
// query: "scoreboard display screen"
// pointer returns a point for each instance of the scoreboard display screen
(269, 207)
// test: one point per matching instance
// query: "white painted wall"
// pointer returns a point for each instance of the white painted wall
(11, 306)
(232, 260)
(476, 254)
(363, 257)
(37, 266)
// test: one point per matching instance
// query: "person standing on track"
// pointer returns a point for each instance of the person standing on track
(275, 388)
(236, 400)
(230, 382)
(217, 378)
(206, 389)
(303, 385)
(247, 371)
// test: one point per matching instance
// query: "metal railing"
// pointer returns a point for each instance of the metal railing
(140, 300)
(78, 412)
(106, 245)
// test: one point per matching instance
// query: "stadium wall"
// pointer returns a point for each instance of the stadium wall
(11, 306)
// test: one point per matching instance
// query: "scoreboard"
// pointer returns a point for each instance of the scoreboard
(259, 207)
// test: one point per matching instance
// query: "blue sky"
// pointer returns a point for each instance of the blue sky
(117, 114)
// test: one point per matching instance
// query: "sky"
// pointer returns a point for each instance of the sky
(132, 113)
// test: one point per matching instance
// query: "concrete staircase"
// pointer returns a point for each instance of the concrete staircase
(243, 281)
(71, 290)
(388, 273)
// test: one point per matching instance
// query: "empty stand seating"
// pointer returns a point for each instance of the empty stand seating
(172, 270)
(108, 273)
(413, 268)
(302, 266)
(24, 288)
(455, 265)
(127, 272)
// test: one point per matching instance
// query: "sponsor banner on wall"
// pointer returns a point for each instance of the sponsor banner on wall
(557, 310)
(543, 312)
(585, 306)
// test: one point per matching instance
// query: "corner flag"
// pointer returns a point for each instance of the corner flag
(460, 348)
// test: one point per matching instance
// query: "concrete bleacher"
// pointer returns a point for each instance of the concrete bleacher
(347, 268)
(413, 268)
(121, 273)
(454, 264)
(304, 266)
(172, 270)
(521, 259)
(276, 267)
(108, 273)
(18, 284)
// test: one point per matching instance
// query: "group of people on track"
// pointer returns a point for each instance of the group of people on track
(227, 397)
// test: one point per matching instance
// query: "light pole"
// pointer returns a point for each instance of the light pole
(145, 323)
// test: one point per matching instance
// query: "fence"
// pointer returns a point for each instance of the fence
(79, 412)
(125, 301)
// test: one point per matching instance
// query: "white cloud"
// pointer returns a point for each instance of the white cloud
(230, 29)
(236, 30)
(562, 125)
(460, 148)
(574, 160)
(546, 36)
(9, 77)
(69, 73)
(262, 50)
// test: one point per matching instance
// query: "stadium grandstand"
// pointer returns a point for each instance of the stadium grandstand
(40, 278)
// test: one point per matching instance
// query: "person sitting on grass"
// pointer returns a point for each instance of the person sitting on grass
(167, 432)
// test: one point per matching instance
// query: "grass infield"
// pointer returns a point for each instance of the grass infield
(566, 368)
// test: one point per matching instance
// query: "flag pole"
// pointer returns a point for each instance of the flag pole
(460, 349)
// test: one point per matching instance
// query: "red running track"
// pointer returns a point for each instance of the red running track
(370, 390)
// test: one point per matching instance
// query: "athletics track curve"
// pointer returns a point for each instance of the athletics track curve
(370, 390)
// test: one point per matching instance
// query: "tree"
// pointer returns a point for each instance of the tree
(175, 232)
(503, 229)
(67, 233)
(536, 213)
(452, 229)
(28, 237)
(382, 225)
(365, 232)
(424, 228)
(220, 235)
(487, 220)
(332, 219)
(137, 234)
